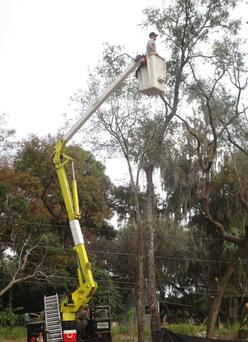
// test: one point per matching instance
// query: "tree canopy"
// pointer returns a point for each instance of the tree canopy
(182, 212)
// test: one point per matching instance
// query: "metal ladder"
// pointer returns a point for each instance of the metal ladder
(52, 317)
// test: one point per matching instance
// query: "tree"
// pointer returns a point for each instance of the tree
(93, 186)
(6, 134)
(187, 26)
(22, 253)
(34, 229)
(107, 293)
(121, 124)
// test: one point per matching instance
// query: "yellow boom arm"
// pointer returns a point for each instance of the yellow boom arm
(87, 286)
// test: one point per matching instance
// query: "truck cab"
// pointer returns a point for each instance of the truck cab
(102, 320)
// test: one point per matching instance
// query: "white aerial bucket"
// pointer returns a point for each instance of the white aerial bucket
(151, 76)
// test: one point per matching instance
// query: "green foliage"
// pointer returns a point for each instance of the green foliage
(34, 220)
(30, 199)
(185, 328)
(35, 158)
(230, 331)
(125, 332)
(225, 332)
(122, 201)
(10, 318)
(107, 293)
(13, 334)
(131, 316)
(6, 139)
(121, 330)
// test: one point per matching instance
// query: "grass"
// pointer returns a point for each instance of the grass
(127, 330)
(228, 331)
(12, 334)
(185, 328)
(128, 333)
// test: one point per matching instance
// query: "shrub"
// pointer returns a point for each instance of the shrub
(9, 318)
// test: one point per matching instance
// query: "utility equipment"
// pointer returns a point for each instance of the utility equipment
(87, 286)
(63, 328)
(151, 76)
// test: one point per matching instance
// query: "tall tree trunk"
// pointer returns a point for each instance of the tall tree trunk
(140, 302)
(233, 307)
(215, 307)
(140, 285)
(153, 302)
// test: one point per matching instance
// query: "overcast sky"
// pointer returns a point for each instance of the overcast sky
(46, 48)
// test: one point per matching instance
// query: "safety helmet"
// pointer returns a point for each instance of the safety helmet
(153, 34)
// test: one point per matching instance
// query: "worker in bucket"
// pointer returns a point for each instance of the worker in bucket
(150, 50)
(151, 45)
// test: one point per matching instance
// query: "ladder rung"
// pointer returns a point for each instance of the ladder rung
(51, 305)
(51, 301)
(53, 330)
(54, 334)
(48, 297)
(53, 322)
(54, 327)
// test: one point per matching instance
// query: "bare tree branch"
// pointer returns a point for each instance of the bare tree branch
(24, 256)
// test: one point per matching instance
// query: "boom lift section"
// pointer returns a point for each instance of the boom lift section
(87, 286)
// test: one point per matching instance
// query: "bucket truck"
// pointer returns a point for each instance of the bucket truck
(60, 315)
(70, 305)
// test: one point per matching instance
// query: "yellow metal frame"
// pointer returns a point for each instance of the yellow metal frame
(87, 286)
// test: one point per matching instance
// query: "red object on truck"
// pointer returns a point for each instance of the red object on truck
(70, 335)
